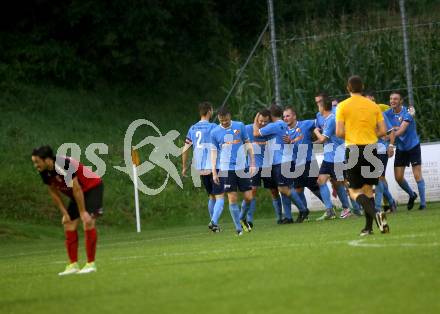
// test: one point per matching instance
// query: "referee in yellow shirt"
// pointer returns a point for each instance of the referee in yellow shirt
(359, 122)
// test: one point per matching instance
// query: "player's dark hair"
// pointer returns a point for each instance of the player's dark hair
(397, 93)
(43, 152)
(322, 94)
(326, 101)
(355, 84)
(223, 111)
(327, 105)
(204, 108)
(276, 111)
(290, 108)
(264, 112)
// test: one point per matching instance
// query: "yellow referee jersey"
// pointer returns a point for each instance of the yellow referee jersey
(360, 116)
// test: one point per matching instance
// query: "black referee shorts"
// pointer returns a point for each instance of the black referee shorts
(354, 174)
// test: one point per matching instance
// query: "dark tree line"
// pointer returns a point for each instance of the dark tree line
(71, 42)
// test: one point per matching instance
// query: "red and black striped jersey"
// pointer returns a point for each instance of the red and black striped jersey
(66, 168)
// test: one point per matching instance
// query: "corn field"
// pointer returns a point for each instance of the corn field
(324, 61)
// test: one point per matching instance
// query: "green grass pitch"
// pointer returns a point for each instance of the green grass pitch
(314, 267)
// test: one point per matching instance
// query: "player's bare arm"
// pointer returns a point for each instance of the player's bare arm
(78, 195)
(185, 154)
(392, 139)
(321, 139)
(398, 131)
(250, 152)
(340, 129)
(56, 197)
(256, 126)
(213, 167)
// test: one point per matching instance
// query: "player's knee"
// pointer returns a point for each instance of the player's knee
(399, 179)
(321, 180)
(89, 225)
(418, 177)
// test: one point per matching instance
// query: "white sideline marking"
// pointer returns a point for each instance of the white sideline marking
(361, 242)
(354, 243)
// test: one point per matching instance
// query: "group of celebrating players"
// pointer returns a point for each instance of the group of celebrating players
(277, 150)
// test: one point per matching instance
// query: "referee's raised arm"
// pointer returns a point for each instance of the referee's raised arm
(359, 122)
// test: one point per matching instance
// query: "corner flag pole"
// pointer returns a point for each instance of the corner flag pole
(136, 162)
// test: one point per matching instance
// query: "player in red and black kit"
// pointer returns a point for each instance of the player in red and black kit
(85, 190)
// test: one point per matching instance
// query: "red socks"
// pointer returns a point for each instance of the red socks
(91, 239)
(72, 245)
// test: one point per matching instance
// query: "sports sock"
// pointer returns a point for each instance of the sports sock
(421, 187)
(244, 209)
(342, 194)
(387, 194)
(368, 206)
(211, 204)
(378, 194)
(252, 208)
(296, 199)
(355, 205)
(91, 238)
(405, 186)
(325, 194)
(218, 209)
(71, 243)
(315, 190)
(235, 214)
(302, 196)
(287, 206)
(276, 203)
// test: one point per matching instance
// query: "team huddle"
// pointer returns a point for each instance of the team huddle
(277, 151)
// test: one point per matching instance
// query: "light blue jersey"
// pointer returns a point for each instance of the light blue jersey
(274, 132)
(409, 139)
(383, 144)
(319, 121)
(333, 151)
(259, 144)
(231, 153)
(199, 135)
(301, 134)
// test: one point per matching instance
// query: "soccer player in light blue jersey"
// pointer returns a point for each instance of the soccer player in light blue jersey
(300, 136)
(230, 145)
(262, 166)
(199, 137)
(333, 163)
(407, 148)
(281, 160)
(383, 152)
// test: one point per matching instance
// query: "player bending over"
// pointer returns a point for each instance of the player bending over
(85, 190)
